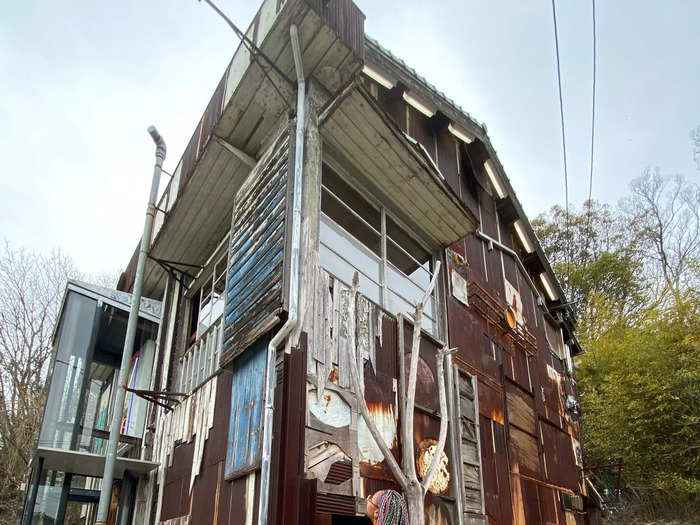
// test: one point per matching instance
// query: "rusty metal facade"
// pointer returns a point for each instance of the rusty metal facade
(512, 449)
(530, 444)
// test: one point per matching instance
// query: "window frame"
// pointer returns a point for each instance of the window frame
(386, 211)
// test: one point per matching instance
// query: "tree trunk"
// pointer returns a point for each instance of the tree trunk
(415, 498)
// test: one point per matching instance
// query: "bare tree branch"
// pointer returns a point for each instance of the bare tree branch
(355, 376)
(444, 417)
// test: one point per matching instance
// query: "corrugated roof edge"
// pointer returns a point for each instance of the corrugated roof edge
(422, 80)
(442, 98)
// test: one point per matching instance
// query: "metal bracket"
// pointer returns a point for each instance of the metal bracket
(157, 397)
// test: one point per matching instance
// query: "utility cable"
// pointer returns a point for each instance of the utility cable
(589, 211)
(255, 54)
(590, 180)
(563, 146)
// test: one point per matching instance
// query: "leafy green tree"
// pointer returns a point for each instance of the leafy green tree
(641, 402)
(632, 274)
(597, 263)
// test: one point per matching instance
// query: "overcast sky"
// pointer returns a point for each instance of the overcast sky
(82, 80)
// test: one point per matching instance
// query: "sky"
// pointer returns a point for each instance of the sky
(81, 81)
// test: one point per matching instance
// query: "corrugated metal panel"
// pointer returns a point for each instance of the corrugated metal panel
(256, 253)
(346, 19)
(339, 472)
(244, 436)
(335, 504)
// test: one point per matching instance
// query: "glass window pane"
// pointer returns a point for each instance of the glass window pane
(217, 308)
(406, 288)
(397, 304)
(345, 271)
(412, 251)
(352, 198)
(349, 249)
(69, 370)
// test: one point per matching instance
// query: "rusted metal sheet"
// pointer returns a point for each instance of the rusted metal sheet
(346, 20)
(490, 475)
(176, 495)
(335, 504)
(202, 509)
(215, 451)
(490, 402)
(521, 409)
(438, 511)
(244, 437)
(549, 505)
(446, 159)
(465, 330)
(426, 380)
(381, 401)
(502, 471)
(530, 502)
(523, 451)
(256, 253)
(288, 447)
(560, 463)
(421, 129)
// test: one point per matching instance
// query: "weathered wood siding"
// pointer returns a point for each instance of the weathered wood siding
(339, 452)
(256, 255)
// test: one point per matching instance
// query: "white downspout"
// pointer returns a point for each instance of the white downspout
(292, 320)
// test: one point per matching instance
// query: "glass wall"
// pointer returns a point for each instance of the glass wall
(75, 345)
(89, 344)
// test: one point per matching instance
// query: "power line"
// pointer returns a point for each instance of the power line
(563, 145)
(590, 180)
(589, 210)
(255, 53)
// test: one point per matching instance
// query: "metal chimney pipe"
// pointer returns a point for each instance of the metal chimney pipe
(118, 408)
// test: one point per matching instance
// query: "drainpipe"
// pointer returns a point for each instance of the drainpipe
(114, 428)
(293, 319)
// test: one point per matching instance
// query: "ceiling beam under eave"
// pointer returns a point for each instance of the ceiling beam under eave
(238, 153)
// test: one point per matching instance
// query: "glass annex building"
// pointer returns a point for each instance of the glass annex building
(87, 344)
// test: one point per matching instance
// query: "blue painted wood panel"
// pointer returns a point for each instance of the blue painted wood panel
(245, 427)
(256, 252)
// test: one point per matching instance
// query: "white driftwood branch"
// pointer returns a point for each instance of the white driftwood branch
(444, 417)
(406, 452)
(371, 425)
(407, 426)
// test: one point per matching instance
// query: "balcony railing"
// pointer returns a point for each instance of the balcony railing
(201, 359)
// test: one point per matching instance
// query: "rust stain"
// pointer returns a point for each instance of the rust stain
(435, 516)
(497, 415)
(333, 376)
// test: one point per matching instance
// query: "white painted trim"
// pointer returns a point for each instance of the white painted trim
(424, 107)
(460, 133)
(491, 172)
(378, 76)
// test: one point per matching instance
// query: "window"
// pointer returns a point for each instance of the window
(394, 268)
(204, 329)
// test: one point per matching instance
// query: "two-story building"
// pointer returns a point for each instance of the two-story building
(321, 154)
